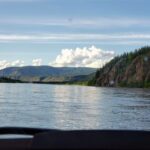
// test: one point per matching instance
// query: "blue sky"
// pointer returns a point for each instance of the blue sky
(36, 31)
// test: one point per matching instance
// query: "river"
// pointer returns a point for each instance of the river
(74, 107)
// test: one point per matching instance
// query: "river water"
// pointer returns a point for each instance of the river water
(74, 107)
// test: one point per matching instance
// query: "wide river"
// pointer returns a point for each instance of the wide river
(74, 107)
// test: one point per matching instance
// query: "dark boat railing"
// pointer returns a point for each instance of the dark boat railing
(75, 139)
(24, 130)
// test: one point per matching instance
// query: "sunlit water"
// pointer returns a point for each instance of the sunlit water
(74, 107)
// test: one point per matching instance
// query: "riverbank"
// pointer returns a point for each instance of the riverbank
(84, 83)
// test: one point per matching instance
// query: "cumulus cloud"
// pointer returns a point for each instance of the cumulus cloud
(37, 62)
(18, 63)
(5, 63)
(83, 57)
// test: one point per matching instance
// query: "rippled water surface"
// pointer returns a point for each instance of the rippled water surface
(74, 107)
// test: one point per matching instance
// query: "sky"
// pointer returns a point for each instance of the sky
(80, 33)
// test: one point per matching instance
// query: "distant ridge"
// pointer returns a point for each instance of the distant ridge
(44, 73)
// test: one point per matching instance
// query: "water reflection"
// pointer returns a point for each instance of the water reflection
(77, 107)
(74, 107)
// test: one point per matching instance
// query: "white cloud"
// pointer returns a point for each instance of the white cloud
(79, 57)
(19, 63)
(37, 62)
(83, 57)
(73, 37)
(5, 63)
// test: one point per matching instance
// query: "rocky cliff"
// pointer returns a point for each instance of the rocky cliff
(128, 70)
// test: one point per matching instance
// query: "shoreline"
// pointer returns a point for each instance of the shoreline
(75, 83)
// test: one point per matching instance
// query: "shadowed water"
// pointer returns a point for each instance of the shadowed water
(74, 107)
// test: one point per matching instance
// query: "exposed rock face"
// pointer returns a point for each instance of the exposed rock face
(131, 70)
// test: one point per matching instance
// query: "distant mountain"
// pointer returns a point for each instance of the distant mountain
(128, 70)
(44, 73)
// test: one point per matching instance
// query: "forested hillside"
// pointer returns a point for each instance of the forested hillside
(128, 70)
